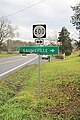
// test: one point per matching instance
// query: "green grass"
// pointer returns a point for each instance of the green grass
(7, 55)
(59, 93)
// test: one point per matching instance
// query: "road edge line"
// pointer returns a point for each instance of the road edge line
(17, 67)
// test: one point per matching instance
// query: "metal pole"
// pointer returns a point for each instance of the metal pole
(38, 75)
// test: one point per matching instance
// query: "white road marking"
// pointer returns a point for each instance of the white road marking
(17, 67)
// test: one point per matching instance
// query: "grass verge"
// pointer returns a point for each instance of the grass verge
(7, 55)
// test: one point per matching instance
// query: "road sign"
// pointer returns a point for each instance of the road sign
(39, 31)
(39, 41)
(40, 50)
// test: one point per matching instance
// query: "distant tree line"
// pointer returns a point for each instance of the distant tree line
(12, 46)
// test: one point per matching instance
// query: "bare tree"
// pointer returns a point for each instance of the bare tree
(75, 19)
(6, 30)
(53, 39)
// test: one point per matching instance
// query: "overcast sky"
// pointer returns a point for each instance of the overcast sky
(26, 13)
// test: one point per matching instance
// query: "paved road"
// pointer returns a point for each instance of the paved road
(12, 64)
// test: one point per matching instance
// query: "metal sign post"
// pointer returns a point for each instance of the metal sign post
(38, 75)
(39, 31)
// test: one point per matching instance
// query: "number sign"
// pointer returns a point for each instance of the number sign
(39, 31)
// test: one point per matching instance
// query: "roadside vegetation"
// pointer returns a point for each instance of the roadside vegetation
(7, 55)
(59, 94)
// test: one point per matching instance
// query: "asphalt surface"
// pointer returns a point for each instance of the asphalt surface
(12, 64)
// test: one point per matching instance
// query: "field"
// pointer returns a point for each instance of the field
(59, 93)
